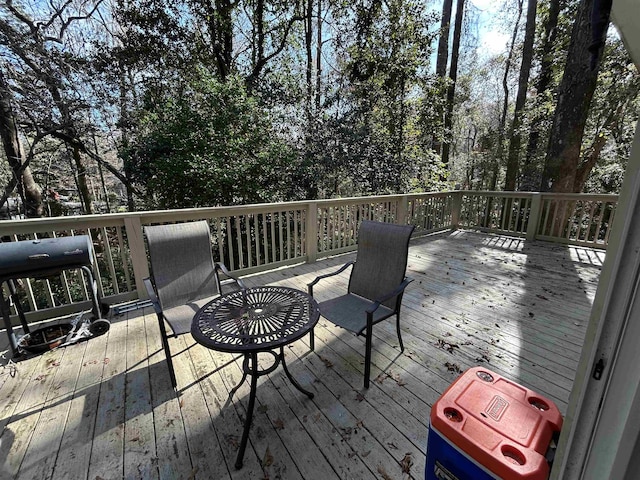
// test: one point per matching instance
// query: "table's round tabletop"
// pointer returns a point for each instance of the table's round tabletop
(256, 319)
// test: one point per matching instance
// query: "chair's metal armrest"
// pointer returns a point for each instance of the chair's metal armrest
(386, 297)
(340, 270)
(153, 298)
(228, 274)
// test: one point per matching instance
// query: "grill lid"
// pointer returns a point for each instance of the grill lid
(32, 258)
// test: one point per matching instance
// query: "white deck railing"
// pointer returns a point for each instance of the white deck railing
(252, 238)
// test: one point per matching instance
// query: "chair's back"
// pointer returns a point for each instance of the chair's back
(181, 262)
(381, 261)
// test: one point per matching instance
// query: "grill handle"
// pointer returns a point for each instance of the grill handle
(38, 256)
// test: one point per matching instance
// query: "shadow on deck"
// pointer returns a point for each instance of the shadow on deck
(105, 408)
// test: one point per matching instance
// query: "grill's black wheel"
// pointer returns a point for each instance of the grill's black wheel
(99, 327)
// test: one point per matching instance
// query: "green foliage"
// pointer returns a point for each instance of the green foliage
(211, 145)
(203, 103)
(382, 136)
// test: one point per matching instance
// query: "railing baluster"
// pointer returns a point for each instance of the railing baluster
(590, 221)
(256, 232)
(543, 226)
(609, 224)
(509, 204)
(229, 243)
(280, 227)
(96, 269)
(109, 259)
(272, 226)
(239, 242)
(124, 258)
(266, 244)
(296, 237)
(570, 218)
(603, 206)
(578, 220)
(288, 230)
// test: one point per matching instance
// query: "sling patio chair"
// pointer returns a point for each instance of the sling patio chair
(376, 284)
(183, 276)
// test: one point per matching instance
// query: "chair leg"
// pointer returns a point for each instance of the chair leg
(312, 340)
(398, 330)
(167, 351)
(367, 357)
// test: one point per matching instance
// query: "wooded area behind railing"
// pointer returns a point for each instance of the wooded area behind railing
(252, 238)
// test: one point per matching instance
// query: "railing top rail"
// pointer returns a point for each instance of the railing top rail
(23, 226)
(559, 196)
(484, 193)
(582, 196)
(29, 225)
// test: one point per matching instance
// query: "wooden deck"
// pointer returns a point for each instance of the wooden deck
(104, 409)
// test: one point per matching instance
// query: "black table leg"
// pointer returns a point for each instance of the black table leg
(249, 416)
(250, 368)
(293, 380)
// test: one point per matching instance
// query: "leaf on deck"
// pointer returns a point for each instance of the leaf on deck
(483, 358)
(384, 473)
(452, 367)
(278, 424)
(449, 347)
(406, 463)
(267, 460)
(232, 440)
(327, 362)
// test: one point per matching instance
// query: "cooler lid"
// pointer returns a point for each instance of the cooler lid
(502, 425)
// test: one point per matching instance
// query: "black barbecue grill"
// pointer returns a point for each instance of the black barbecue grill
(41, 259)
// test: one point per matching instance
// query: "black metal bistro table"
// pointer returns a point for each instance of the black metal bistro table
(252, 321)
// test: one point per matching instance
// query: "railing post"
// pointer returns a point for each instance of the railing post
(138, 253)
(312, 232)
(534, 216)
(403, 208)
(456, 206)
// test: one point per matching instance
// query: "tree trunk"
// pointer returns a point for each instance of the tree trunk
(220, 26)
(529, 171)
(124, 120)
(505, 89)
(574, 98)
(495, 172)
(28, 189)
(453, 76)
(441, 60)
(81, 173)
(319, 55)
(521, 97)
(308, 38)
(443, 41)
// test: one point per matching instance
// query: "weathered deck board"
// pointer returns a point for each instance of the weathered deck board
(105, 408)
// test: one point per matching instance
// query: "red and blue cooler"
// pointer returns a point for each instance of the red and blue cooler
(485, 427)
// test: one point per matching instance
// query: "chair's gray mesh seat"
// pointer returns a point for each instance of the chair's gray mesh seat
(348, 310)
(183, 270)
